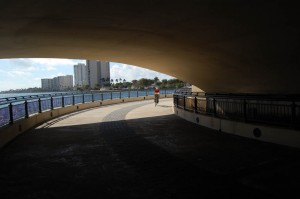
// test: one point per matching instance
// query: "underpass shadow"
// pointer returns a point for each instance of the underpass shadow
(157, 157)
(164, 106)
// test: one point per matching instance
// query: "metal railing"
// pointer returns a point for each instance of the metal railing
(268, 109)
(16, 108)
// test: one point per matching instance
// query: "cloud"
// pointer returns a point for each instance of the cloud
(129, 72)
(42, 64)
(14, 73)
(18, 73)
(60, 74)
(25, 73)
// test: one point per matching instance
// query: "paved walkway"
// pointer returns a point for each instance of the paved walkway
(136, 150)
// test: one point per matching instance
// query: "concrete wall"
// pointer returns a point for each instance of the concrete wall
(220, 46)
(259, 132)
(9, 132)
(196, 89)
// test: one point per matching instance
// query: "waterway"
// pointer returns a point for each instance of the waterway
(16, 108)
(6, 95)
(124, 93)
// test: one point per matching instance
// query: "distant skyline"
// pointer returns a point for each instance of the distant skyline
(27, 72)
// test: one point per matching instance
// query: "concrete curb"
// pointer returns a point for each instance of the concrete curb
(277, 135)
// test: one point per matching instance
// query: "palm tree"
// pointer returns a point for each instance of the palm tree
(134, 82)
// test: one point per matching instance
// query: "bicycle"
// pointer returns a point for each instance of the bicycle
(156, 99)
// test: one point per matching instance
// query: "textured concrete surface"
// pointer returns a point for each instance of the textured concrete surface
(136, 150)
(249, 46)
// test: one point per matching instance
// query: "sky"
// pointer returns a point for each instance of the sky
(27, 73)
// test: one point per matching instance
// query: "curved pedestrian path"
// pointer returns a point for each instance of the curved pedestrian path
(137, 150)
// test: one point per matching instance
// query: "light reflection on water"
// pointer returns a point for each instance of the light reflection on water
(5, 95)
(124, 93)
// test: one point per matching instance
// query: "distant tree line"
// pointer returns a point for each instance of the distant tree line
(118, 83)
(145, 83)
(26, 90)
(34, 90)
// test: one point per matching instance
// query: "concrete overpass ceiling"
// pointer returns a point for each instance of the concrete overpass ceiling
(219, 46)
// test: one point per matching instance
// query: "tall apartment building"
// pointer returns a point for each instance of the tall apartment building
(95, 74)
(94, 68)
(47, 84)
(81, 75)
(98, 73)
(64, 82)
(59, 83)
(105, 73)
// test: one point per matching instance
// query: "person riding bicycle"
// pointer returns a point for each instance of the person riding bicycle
(156, 95)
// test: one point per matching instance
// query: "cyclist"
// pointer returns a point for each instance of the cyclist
(156, 95)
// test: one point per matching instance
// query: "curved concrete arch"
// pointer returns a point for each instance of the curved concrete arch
(232, 46)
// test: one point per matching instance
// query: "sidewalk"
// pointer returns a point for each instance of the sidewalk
(137, 150)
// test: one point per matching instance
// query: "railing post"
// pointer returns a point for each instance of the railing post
(195, 105)
(73, 97)
(245, 110)
(40, 105)
(129, 94)
(51, 103)
(214, 106)
(293, 112)
(120, 95)
(101, 96)
(92, 97)
(11, 117)
(111, 97)
(83, 98)
(62, 101)
(174, 101)
(26, 109)
(184, 102)
(165, 92)
(146, 92)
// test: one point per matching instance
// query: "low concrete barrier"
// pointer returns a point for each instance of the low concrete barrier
(9, 132)
(277, 135)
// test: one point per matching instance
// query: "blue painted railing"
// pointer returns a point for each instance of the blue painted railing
(16, 108)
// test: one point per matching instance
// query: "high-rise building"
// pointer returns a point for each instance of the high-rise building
(59, 83)
(105, 73)
(95, 74)
(65, 82)
(47, 84)
(94, 77)
(98, 73)
(81, 75)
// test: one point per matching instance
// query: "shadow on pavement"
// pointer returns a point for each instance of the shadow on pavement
(158, 157)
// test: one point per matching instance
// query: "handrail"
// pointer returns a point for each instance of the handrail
(22, 107)
(243, 95)
(282, 110)
(22, 98)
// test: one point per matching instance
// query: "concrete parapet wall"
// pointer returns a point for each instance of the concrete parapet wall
(277, 135)
(9, 132)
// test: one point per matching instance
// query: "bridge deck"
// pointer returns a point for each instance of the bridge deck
(136, 150)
